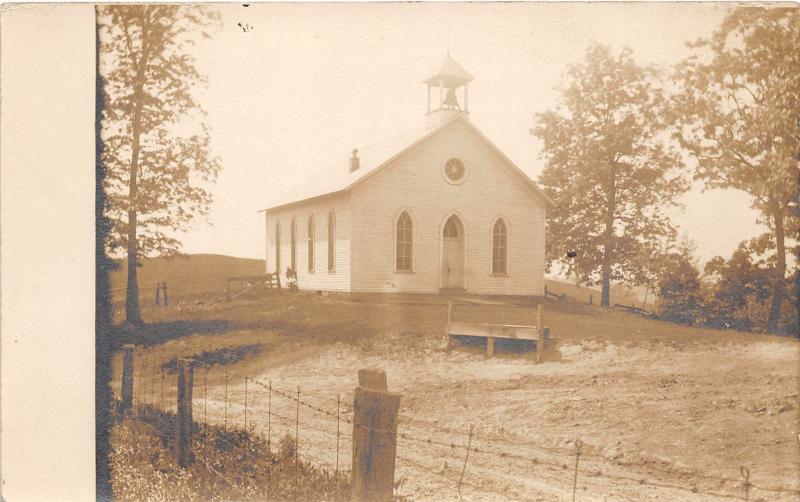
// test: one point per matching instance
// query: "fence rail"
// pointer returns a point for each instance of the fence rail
(325, 432)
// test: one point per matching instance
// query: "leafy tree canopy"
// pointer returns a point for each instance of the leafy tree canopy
(152, 122)
(679, 286)
(738, 114)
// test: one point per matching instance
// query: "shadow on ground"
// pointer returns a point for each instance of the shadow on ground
(220, 357)
(149, 334)
(157, 333)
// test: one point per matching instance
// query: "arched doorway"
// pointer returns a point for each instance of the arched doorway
(453, 254)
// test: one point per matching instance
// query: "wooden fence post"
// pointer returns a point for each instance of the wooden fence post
(158, 294)
(374, 379)
(126, 391)
(539, 332)
(183, 427)
(166, 298)
(590, 299)
(374, 437)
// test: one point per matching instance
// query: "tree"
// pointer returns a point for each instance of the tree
(156, 144)
(609, 168)
(738, 114)
(740, 284)
(679, 287)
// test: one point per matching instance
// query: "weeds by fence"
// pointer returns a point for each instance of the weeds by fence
(233, 427)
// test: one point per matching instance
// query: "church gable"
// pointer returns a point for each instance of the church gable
(454, 175)
(451, 156)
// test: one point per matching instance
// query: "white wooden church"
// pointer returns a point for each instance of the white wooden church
(439, 208)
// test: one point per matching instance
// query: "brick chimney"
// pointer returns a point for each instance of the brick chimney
(354, 162)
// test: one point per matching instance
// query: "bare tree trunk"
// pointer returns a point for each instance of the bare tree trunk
(133, 312)
(797, 292)
(608, 245)
(773, 323)
(605, 292)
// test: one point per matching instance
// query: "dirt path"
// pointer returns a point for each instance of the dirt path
(671, 414)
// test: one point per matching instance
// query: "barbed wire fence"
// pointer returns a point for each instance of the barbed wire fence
(229, 417)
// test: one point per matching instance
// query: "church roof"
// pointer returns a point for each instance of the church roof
(337, 178)
(450, 71)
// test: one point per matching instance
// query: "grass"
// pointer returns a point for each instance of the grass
(229, 465)
(185, 275)
(620, 294)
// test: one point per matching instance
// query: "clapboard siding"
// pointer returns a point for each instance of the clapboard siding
(415, 183)
(321, 279)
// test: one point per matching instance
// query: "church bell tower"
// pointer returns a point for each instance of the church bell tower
(447, 92)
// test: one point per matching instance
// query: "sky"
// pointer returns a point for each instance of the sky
(292, 87)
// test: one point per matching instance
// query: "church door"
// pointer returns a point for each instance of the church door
(453, 254)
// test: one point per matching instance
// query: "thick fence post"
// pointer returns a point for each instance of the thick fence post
(183, 428)
(374, 437)
(126, 390)
(166, 298)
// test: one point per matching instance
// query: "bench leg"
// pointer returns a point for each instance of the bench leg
(489, 346)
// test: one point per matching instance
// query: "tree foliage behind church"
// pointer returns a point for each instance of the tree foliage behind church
(679, 286)
(609, 168)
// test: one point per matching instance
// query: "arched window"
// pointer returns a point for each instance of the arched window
(311, 243)
(293, 237)
(331, 242)
(404, 243)
(277, 246)
(499, 247)
(451, 228)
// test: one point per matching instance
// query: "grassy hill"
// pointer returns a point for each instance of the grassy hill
(619, 293)
(188, 274)
(206, 273)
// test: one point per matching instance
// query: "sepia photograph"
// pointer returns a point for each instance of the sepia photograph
(458, 251)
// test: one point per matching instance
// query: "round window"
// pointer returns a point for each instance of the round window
(454, 170)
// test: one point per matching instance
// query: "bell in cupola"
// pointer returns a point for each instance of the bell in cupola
(451, 101)
(452, 81)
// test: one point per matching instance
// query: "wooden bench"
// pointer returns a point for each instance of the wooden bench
(539, 334)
